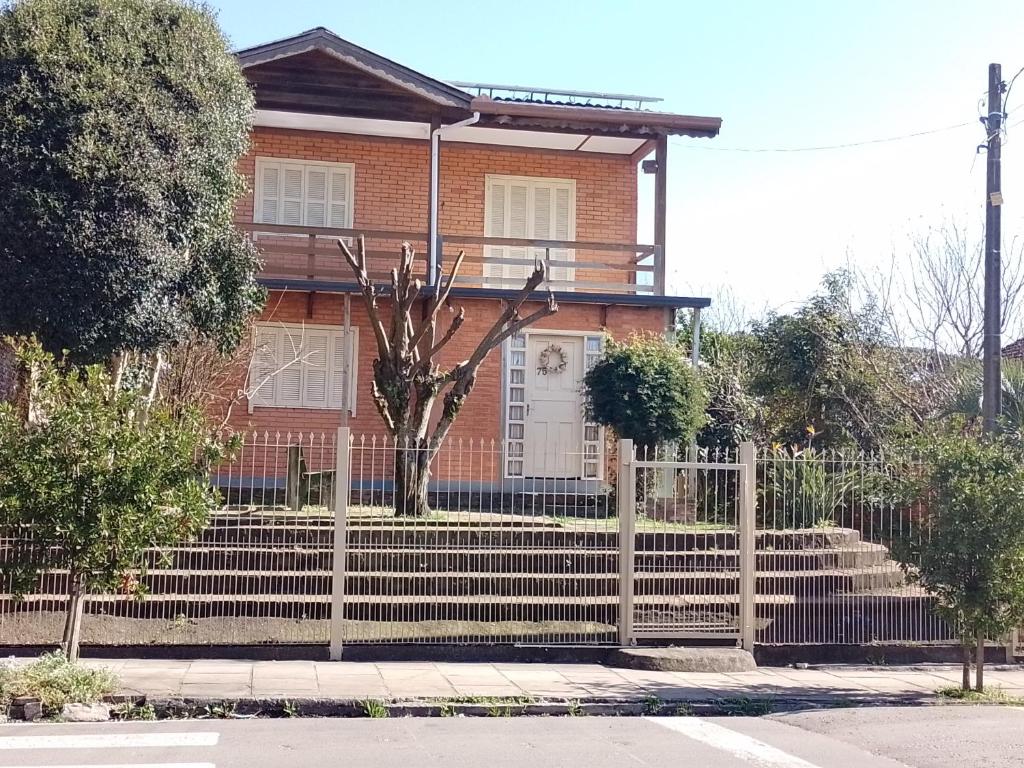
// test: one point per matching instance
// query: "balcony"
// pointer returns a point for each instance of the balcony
(308, 258)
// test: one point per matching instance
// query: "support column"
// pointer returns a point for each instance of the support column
(660, 212)
(625, 489)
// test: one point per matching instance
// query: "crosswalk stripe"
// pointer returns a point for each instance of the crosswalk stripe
(111, 740)
(122, 765)
(736, 744)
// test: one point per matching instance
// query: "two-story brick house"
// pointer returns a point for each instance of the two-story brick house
(346, 142)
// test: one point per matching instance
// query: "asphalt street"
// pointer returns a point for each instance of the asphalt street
(924, 737)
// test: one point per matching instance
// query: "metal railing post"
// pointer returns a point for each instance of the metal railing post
(746, 532)
(625, 495)
(342, 488)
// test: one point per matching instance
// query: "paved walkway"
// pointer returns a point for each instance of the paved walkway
(231, 679)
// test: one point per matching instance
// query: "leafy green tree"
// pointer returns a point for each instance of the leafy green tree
(825, 366)
(121, 125)
(646, 391)
(94, 479)
(970, 552)
(725, 361)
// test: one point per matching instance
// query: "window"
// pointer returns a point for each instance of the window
(303, 194)
(528, 208)
(303, 366)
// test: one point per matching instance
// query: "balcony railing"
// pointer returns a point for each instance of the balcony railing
(500, 263)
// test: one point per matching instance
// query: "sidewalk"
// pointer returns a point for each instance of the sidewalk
(354, 681)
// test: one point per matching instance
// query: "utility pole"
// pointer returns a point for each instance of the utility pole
(992, 386)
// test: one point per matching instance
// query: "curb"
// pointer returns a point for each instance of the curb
(278, 707)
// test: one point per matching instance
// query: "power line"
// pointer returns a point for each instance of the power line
(829, 146)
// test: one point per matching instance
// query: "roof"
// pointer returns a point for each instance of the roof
(289, 91)
(322, 39)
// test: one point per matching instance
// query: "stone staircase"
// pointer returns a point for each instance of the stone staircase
(812, 585)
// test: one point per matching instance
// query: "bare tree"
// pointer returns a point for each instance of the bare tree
(407, 379)
(937, 294)
(929, 306)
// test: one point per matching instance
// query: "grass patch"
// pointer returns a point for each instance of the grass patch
(746, 707)
(55, 681)
(991, 695)
(129, 710)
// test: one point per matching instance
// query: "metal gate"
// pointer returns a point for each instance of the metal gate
(686, 545)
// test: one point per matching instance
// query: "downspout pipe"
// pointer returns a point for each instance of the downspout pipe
(433, 241)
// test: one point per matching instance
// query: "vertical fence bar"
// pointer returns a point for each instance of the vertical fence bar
(747, 559)
(342, 485)
(626, 502)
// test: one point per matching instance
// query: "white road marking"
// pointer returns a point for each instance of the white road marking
(736, 744)
(111, 740)
(123, 765)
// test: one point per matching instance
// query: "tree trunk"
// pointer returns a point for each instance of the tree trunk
(73, 620)
(965, 680)
(412, 478)
(979, 663)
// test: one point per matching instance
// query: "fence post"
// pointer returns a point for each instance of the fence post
(342, 488)
(748, 560)
(625, 497)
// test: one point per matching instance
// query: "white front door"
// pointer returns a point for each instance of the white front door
(554, 406)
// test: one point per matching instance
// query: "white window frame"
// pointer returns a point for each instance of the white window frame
(532, 181)
(352, 363)
(263, 162)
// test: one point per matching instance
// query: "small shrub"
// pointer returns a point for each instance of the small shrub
(55, 681)
(646, 391)
(375, 709)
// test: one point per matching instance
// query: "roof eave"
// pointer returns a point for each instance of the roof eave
(602, 119)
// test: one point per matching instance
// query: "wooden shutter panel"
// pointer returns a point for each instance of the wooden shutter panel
(292, 198)
(340, 206)
(262, 382)
(541, 224)
(316, 197)
(289, 379)
(314, 367)
(497, 201)
(518, 226)
(269, 189)
(340, 346)
(562, 229)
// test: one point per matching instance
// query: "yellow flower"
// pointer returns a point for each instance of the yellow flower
(811, 430)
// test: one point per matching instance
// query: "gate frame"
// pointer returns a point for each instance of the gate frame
(745, 524)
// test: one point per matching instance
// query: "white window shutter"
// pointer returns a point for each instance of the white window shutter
(340, 205)
(316, 196)
(340, 347)
(269, 190)
(561, 211)
(494, 226)
(518, 226)
(292, 195)
(289, 377)
(316, 349)
(262, 382)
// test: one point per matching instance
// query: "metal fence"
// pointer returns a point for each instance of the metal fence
(825, 570)
(655, 549)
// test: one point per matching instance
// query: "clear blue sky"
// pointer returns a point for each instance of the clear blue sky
(782, 74)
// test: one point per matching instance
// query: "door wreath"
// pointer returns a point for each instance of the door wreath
(552, 360)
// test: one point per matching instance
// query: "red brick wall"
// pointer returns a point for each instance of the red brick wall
(391, 189)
